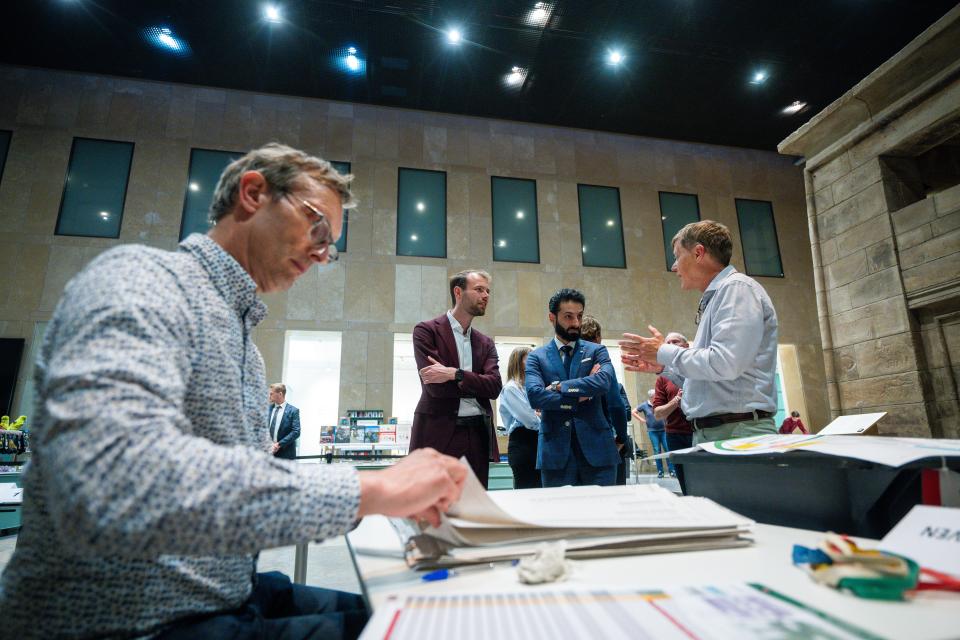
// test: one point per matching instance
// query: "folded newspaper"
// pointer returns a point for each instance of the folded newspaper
(594, 521)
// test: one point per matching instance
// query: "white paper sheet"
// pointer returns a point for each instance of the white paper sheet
(930, 536)
(11, 493)
(692, 613)
(852, 424)
(883, 450)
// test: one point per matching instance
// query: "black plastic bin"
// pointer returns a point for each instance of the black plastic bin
(808, 490)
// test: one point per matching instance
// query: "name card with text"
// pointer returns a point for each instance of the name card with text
(929, 536)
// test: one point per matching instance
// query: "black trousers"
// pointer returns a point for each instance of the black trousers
(522, 454)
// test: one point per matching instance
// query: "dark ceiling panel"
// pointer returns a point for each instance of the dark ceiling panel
(686, 73)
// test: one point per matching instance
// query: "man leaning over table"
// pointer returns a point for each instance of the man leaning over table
(727, 374)
(152, 486)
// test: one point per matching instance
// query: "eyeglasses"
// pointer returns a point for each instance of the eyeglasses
(321, 236)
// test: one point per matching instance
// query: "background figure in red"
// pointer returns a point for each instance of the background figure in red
(791, 423)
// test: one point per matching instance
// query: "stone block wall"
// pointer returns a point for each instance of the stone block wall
(375, 293)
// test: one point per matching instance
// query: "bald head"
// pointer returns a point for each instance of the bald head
(676, 338)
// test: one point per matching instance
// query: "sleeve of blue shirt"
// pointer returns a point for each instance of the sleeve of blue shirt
(737, 332)
(516, 406)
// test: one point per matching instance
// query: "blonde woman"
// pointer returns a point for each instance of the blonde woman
(522, 423)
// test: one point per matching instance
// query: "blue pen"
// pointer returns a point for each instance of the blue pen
(443, 574)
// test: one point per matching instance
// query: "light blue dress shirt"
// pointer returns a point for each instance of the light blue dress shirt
(731, 365)
(515, 409)
(468, 406)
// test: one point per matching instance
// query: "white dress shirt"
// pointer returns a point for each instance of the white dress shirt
(468, 406)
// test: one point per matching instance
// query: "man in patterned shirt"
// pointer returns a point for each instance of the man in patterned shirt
(152, 488)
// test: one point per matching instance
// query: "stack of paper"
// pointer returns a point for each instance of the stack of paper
(594, 521)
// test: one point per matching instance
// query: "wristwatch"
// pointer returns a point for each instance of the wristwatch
(458, 376)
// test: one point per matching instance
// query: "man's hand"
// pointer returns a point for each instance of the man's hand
(274, 448)
(639, 353)
(437, 373)
(423, 485)
(639, 416)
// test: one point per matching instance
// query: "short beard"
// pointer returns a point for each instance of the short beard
(566, 334)
(476, 310)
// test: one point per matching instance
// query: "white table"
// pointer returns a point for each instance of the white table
(931, 615)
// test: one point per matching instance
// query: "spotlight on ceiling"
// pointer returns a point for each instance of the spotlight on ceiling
(164, 38)
(759, 77)
(615, 57)
(454, 36)
(350, 60)
(539, 15)
(271, 13)
(515, 78)
(794, 107)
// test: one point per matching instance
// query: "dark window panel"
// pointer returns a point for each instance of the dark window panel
(515, 220)
(676, 211)
(601, 227)
(95, 188)
(206, 165)
(758, 237)
(422, 213)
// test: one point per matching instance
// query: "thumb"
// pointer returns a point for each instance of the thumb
(431, 359)
(653, 331)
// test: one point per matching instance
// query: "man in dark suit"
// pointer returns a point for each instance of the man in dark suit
(566, 380)
(284, 422)
(616, 406)
(459, 375)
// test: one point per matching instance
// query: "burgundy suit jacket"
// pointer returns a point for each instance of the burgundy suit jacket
(435, 418)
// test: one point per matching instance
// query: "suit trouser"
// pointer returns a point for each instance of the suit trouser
(471, 439)
(522, 455)
(730, 430)
(578, 471)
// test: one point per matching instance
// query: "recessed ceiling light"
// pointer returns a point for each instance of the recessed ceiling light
(194, 186)
(164, 38)
(794, 107)
(539, 14)
(271, 13)
(520, 215)
(516, 77)
(349, 59)
(421, 206)
(759, 77)
(454, 36)
(615, 57)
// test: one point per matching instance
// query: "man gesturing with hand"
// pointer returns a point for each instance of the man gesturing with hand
(728, 374)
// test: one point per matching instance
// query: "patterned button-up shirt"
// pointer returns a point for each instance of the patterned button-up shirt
(151, 487)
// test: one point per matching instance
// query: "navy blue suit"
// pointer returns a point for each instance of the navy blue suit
(576, 444)
(287, 432)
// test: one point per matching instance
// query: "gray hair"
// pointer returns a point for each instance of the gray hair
(650, 393)
(280, 166)
(714, 236)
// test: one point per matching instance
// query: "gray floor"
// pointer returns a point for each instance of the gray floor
(328, 563)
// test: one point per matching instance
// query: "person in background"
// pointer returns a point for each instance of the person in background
(563, 380)
(666, 404)
(655, 431)
(522, 423)
(284, 423)
(459, 376)
(616, 406)
(792, 423)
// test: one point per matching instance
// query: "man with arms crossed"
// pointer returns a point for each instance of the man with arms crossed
(566, 379)
(727, 376)
(459, 375)
(152, 486)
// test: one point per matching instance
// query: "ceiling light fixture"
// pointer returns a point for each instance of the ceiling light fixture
(350, 60)
(539, 15)
(794, 107)
(271, 13)
(615, 57)
(164, 38)
(516, 77)
(454, 36)
(759, 77)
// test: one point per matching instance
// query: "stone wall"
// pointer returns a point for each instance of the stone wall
(885, 236)
(375, 293)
